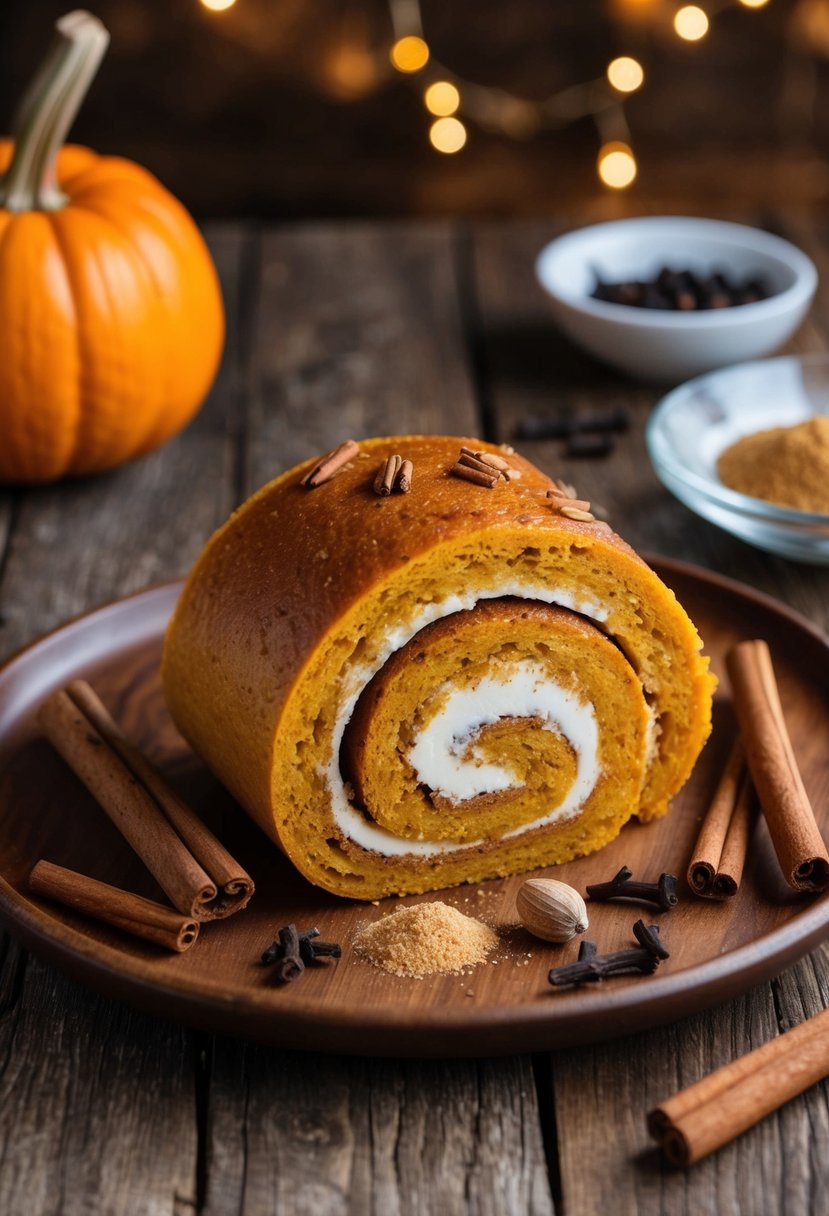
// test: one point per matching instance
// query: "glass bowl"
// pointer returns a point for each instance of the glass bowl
(692, 425)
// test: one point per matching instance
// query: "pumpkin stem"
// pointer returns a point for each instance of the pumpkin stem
(47, 111)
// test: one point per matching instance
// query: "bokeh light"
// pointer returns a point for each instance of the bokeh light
(625, 74)
(218, 6)
(754, 3)
(616, 165)
(409, 54)
(447, 135)
(442, 98)
(691, 23)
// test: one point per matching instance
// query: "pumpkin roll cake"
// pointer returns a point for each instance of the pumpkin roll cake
(420, 662)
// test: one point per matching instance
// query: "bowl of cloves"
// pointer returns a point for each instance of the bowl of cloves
(665, 298)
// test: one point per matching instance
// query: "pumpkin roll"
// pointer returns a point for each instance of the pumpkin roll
(410, 690)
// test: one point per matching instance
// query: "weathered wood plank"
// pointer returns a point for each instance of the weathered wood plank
(346, 1137)
(803, 1124)
(777, 1166)
(361, 332)
(609, 1162)
(97, 1105)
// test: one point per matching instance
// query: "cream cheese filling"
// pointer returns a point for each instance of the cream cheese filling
(439, 757)
(355, 827)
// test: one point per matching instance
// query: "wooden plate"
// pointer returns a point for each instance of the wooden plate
(717, 950)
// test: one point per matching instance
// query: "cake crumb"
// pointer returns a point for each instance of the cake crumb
(426, 939)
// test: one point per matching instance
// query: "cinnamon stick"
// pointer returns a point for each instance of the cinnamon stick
(705, 1116)
(330, 464)
(796, 837)
(475, 475)
(404, 480)
(141, 917)
(496, 462)
(719, 855)
(190, 865)
(469, 461)
(387, 475)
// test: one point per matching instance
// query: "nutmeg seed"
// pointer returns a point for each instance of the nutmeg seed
(551, 910)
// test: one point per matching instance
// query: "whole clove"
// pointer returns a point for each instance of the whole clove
(272, 953)
(661, 893)
(648, 937)
(635, 960)
(601, 421)
(537, 426)
(542, 426)
(589, 446)
(682, 291)
(310, 950)
(292, 951)
(288, 965)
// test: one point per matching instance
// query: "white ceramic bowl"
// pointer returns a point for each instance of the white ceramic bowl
(694, 423)
(665, 345)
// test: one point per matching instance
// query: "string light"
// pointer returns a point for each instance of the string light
(447, 135)
(625, 74)
(499, 111)
(442, 98)
(409, 54)
(691, 23)
(616, 165)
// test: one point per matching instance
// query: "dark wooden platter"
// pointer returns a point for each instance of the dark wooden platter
(717, 950)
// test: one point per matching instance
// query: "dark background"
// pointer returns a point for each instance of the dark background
(290, 108)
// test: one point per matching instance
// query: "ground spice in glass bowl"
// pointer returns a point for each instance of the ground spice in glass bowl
(784, 400)
(787, 465)
(426, 939)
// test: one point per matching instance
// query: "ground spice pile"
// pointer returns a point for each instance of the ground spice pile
(787, 465)
(426, 939)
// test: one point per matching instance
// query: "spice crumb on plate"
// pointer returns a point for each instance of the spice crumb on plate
(426, 939)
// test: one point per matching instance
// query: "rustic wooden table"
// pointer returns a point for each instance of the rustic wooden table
(352, 330)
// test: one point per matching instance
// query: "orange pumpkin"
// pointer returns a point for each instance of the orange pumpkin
(111, 319)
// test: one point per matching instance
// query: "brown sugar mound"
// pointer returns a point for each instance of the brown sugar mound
(425, 940)
(787, 465)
